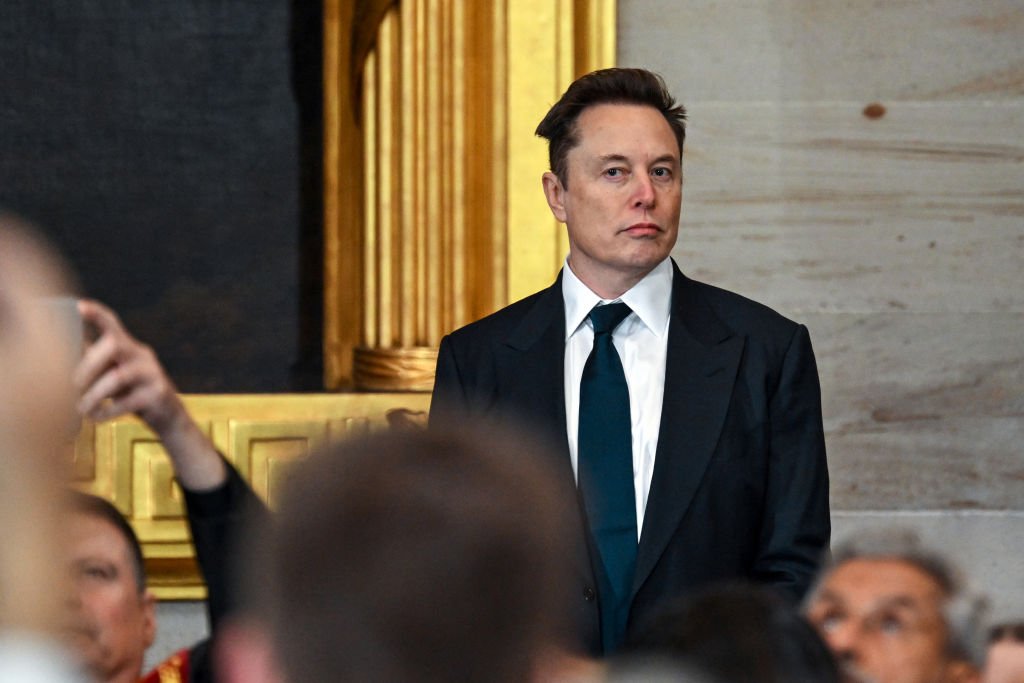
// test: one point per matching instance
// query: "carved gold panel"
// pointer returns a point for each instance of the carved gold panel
(262, 451)
(144, 476)
(262, 436)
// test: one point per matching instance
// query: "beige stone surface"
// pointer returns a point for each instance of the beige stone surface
(821, 209)
(786, 50)
(898, 236)
(923, 410)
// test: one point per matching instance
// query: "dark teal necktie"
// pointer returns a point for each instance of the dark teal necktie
(605, 471)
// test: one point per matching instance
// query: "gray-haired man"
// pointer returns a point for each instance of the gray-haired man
(893, 610)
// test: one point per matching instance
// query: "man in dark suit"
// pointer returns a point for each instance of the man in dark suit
(709, 400)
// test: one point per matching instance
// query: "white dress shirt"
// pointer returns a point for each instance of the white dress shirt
(641, 341)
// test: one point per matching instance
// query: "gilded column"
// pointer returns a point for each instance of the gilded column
(413, 118)
(451, 222)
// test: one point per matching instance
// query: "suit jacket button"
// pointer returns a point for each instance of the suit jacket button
(589, 594)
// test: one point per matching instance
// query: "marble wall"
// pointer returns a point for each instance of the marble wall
(860, 168)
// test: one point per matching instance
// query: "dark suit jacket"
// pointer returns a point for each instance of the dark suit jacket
(740, 484)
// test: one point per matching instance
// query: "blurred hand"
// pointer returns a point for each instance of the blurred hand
(118, 375)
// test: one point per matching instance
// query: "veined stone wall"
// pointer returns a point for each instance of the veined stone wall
(860, 168)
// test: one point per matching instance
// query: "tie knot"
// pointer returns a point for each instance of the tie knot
(607, 317)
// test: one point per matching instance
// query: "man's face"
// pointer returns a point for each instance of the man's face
(111, 623)
(621, 206)
(883, 619)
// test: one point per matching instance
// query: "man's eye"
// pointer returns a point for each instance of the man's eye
(890, 624)
(661, 173)
(614, 172)
(95, 572)
(825, 617)
(830, 621)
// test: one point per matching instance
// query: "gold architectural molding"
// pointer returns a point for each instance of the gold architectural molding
(434, 215)
(261, 436)
(404, 369)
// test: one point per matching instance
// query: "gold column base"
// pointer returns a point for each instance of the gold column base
(407, 369)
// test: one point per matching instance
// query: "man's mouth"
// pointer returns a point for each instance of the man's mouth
(79, 631)
(642, 230)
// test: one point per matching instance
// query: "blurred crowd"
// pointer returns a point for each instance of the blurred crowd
(404, 555)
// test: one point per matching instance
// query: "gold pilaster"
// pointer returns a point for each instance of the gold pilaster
(343, 259)
(451, 223)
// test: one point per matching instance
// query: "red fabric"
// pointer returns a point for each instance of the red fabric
(174, 669)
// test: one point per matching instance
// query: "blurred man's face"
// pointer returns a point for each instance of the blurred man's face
(883, 619)
(111, 622)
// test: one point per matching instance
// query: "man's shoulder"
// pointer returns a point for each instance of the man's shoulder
(189, 665)
(174, 669)
(739, 313)
(503, 322)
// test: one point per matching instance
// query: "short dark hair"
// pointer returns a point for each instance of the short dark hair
(606, 86)
(88, 504)
(414, 555)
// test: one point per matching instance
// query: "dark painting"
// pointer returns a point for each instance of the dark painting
(172, 151)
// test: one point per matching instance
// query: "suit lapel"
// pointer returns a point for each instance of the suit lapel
(532, 371)
(703, 357)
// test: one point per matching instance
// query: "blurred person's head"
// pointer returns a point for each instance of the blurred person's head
(738, 632)
(893, 610)
(36, 410)
(37, 344)
(1004, 661)
(111, 618)
(408, 556)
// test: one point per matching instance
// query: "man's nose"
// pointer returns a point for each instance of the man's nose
(643, 193)
(73, 588)
(844, 640)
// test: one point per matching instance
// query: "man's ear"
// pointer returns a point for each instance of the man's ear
(149, 617)
(555, 194)
(245, 654)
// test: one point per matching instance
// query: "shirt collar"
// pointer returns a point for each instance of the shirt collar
(650, 299)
